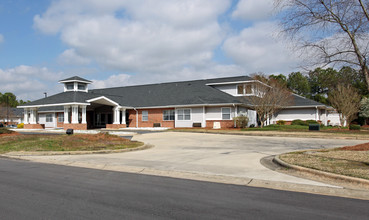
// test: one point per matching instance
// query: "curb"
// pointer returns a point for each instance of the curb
(333, 176)
(287, 134)
(50, 153)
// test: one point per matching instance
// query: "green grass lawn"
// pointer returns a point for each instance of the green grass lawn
(77, 142)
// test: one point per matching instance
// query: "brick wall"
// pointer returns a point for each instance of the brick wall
(154, 116)
(223, 123)
(34, 126)
(115, 126)
(75, 126)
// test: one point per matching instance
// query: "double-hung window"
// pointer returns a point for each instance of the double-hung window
(168, 115)
(61, 117)
(49, 117)
(70, 86)
(145, 115)
(184, 114)
(226, 113)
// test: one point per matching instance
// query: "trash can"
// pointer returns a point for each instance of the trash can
(314, 127)
(69, 131)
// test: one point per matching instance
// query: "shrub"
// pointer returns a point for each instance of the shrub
(21, 125)
(5, 131)
(354, 127)
(252, 126)
(281, 122)
(299, 122)
(311, 122)
(241, 121)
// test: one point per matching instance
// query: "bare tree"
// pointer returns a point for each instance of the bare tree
(346, 100)
(330, 31)
(268, 99)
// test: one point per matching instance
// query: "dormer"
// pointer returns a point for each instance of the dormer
(75, 84)
(240, 88)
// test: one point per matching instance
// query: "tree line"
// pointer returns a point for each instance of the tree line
(344, 89)
(8, 99)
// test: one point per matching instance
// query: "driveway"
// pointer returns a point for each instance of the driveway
(207, 154)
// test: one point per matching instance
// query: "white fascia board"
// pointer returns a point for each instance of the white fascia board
(193, 105)
(309, 106)
(104, 98)
(236, 82)
(67, 81)
(227, 83)
(50, 105)
(50, 111)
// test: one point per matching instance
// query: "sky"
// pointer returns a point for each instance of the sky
(130, 42)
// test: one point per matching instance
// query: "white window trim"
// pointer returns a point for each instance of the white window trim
(142, 115)
(52, 118)
(169, 117)
(230, 113)
(183, 109)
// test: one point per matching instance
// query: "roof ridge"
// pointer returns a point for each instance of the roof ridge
(151, 84)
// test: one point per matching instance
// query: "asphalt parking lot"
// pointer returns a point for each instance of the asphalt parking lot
(209, 154)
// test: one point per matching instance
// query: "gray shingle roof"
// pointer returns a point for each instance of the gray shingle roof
(76, 78)
(194, 92)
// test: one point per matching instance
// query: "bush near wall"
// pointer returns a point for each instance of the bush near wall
(241, 121)
(354, 127)
(281, 122)
(21, 125)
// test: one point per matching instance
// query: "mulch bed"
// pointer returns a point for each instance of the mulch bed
(359, 147)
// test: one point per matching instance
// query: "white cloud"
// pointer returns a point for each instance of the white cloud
(137, 35)
(258, 49)
(1, 38)
(253, 10)
(70, 57)
(112, 81)
(27, 82)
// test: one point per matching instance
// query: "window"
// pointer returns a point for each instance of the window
(168, 115)
(61, 117)
(248, 89)
(184, 114)
(81, 86)
(226, 113)
(240, 89)
(70, 86)
(145, 115)
(49, 117)
(244, 89)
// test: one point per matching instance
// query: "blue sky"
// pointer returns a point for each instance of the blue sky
(118, 43)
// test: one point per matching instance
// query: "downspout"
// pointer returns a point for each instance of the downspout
(316, 114)
(235, 115)
(136, 117)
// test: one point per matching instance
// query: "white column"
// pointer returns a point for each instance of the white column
(116, 115)
(326, 118)
(32, 116)
(66, 114)
(84, 121)
(74, 114)
(123, 117)
(317, 114)
(203, 124)
(26, 119)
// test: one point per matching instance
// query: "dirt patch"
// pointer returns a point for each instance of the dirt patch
(359, 147)
(10, 134)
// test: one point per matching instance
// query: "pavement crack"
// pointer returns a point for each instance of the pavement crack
(249, 181)
(141, 170)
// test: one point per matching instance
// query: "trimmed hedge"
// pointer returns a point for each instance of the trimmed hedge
(281, 122)
(241, 121)
(354, 127)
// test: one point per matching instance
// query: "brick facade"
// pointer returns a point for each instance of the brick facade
(34, 126)
(223, 123)
(115, 126)
(75, 126)
(154, 116)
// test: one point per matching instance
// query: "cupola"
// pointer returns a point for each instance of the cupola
(75, 84)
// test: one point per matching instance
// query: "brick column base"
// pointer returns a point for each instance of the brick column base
(115, 126)
(75, 126)
(34, 126)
